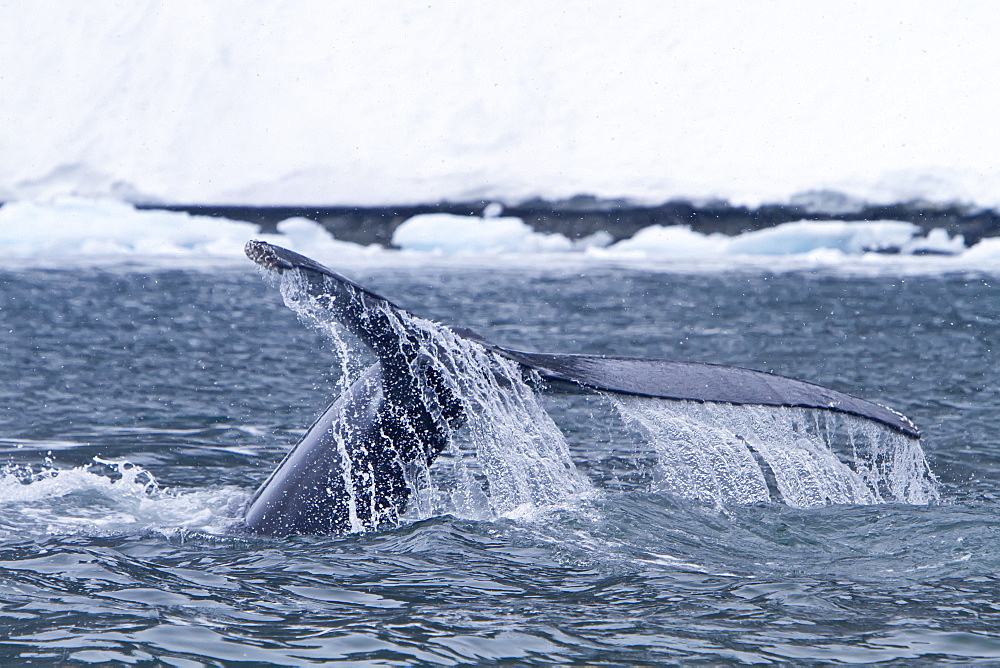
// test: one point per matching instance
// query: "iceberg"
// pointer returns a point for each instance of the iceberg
(109, 230)
(448, 234)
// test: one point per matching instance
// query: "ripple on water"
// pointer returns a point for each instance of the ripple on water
(630, 575)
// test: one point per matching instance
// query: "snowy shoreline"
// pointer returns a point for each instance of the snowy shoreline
(584, 216)
(71, 231)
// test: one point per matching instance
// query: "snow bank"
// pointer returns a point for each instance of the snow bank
(831, 241)
(109, 231)
(412, 102)
(75, 227)
(795, 238)
(447, 234)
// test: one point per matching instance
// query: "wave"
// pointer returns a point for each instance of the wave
(108, 497)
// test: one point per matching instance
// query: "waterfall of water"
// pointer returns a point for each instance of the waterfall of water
(724, 454)
(510, 458)
(520, 455)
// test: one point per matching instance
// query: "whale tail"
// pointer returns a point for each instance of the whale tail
(348, 471)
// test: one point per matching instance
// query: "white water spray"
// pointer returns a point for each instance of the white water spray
(510, 458)
(724, 454)
(107, 497)
(518, 448)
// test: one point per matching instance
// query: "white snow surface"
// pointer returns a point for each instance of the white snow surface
(447, 234)
(315, 102)
(795, 238)
(107, 231)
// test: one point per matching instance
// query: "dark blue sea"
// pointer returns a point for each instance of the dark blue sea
(141, 405)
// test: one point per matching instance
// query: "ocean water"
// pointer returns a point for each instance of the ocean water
(140, 405)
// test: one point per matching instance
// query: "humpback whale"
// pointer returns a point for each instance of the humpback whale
(349, 471)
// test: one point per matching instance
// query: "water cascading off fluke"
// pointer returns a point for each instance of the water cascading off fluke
(724, 455)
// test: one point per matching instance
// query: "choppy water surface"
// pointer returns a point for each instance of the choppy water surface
(200, 380)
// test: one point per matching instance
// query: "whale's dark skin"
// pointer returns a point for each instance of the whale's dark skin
(382, 422)
(401, 412)
(373, 431)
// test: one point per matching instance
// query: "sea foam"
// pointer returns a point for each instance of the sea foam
(108, 497)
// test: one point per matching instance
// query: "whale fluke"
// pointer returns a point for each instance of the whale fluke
(348, 471)
(664, 379)
(702, 382)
